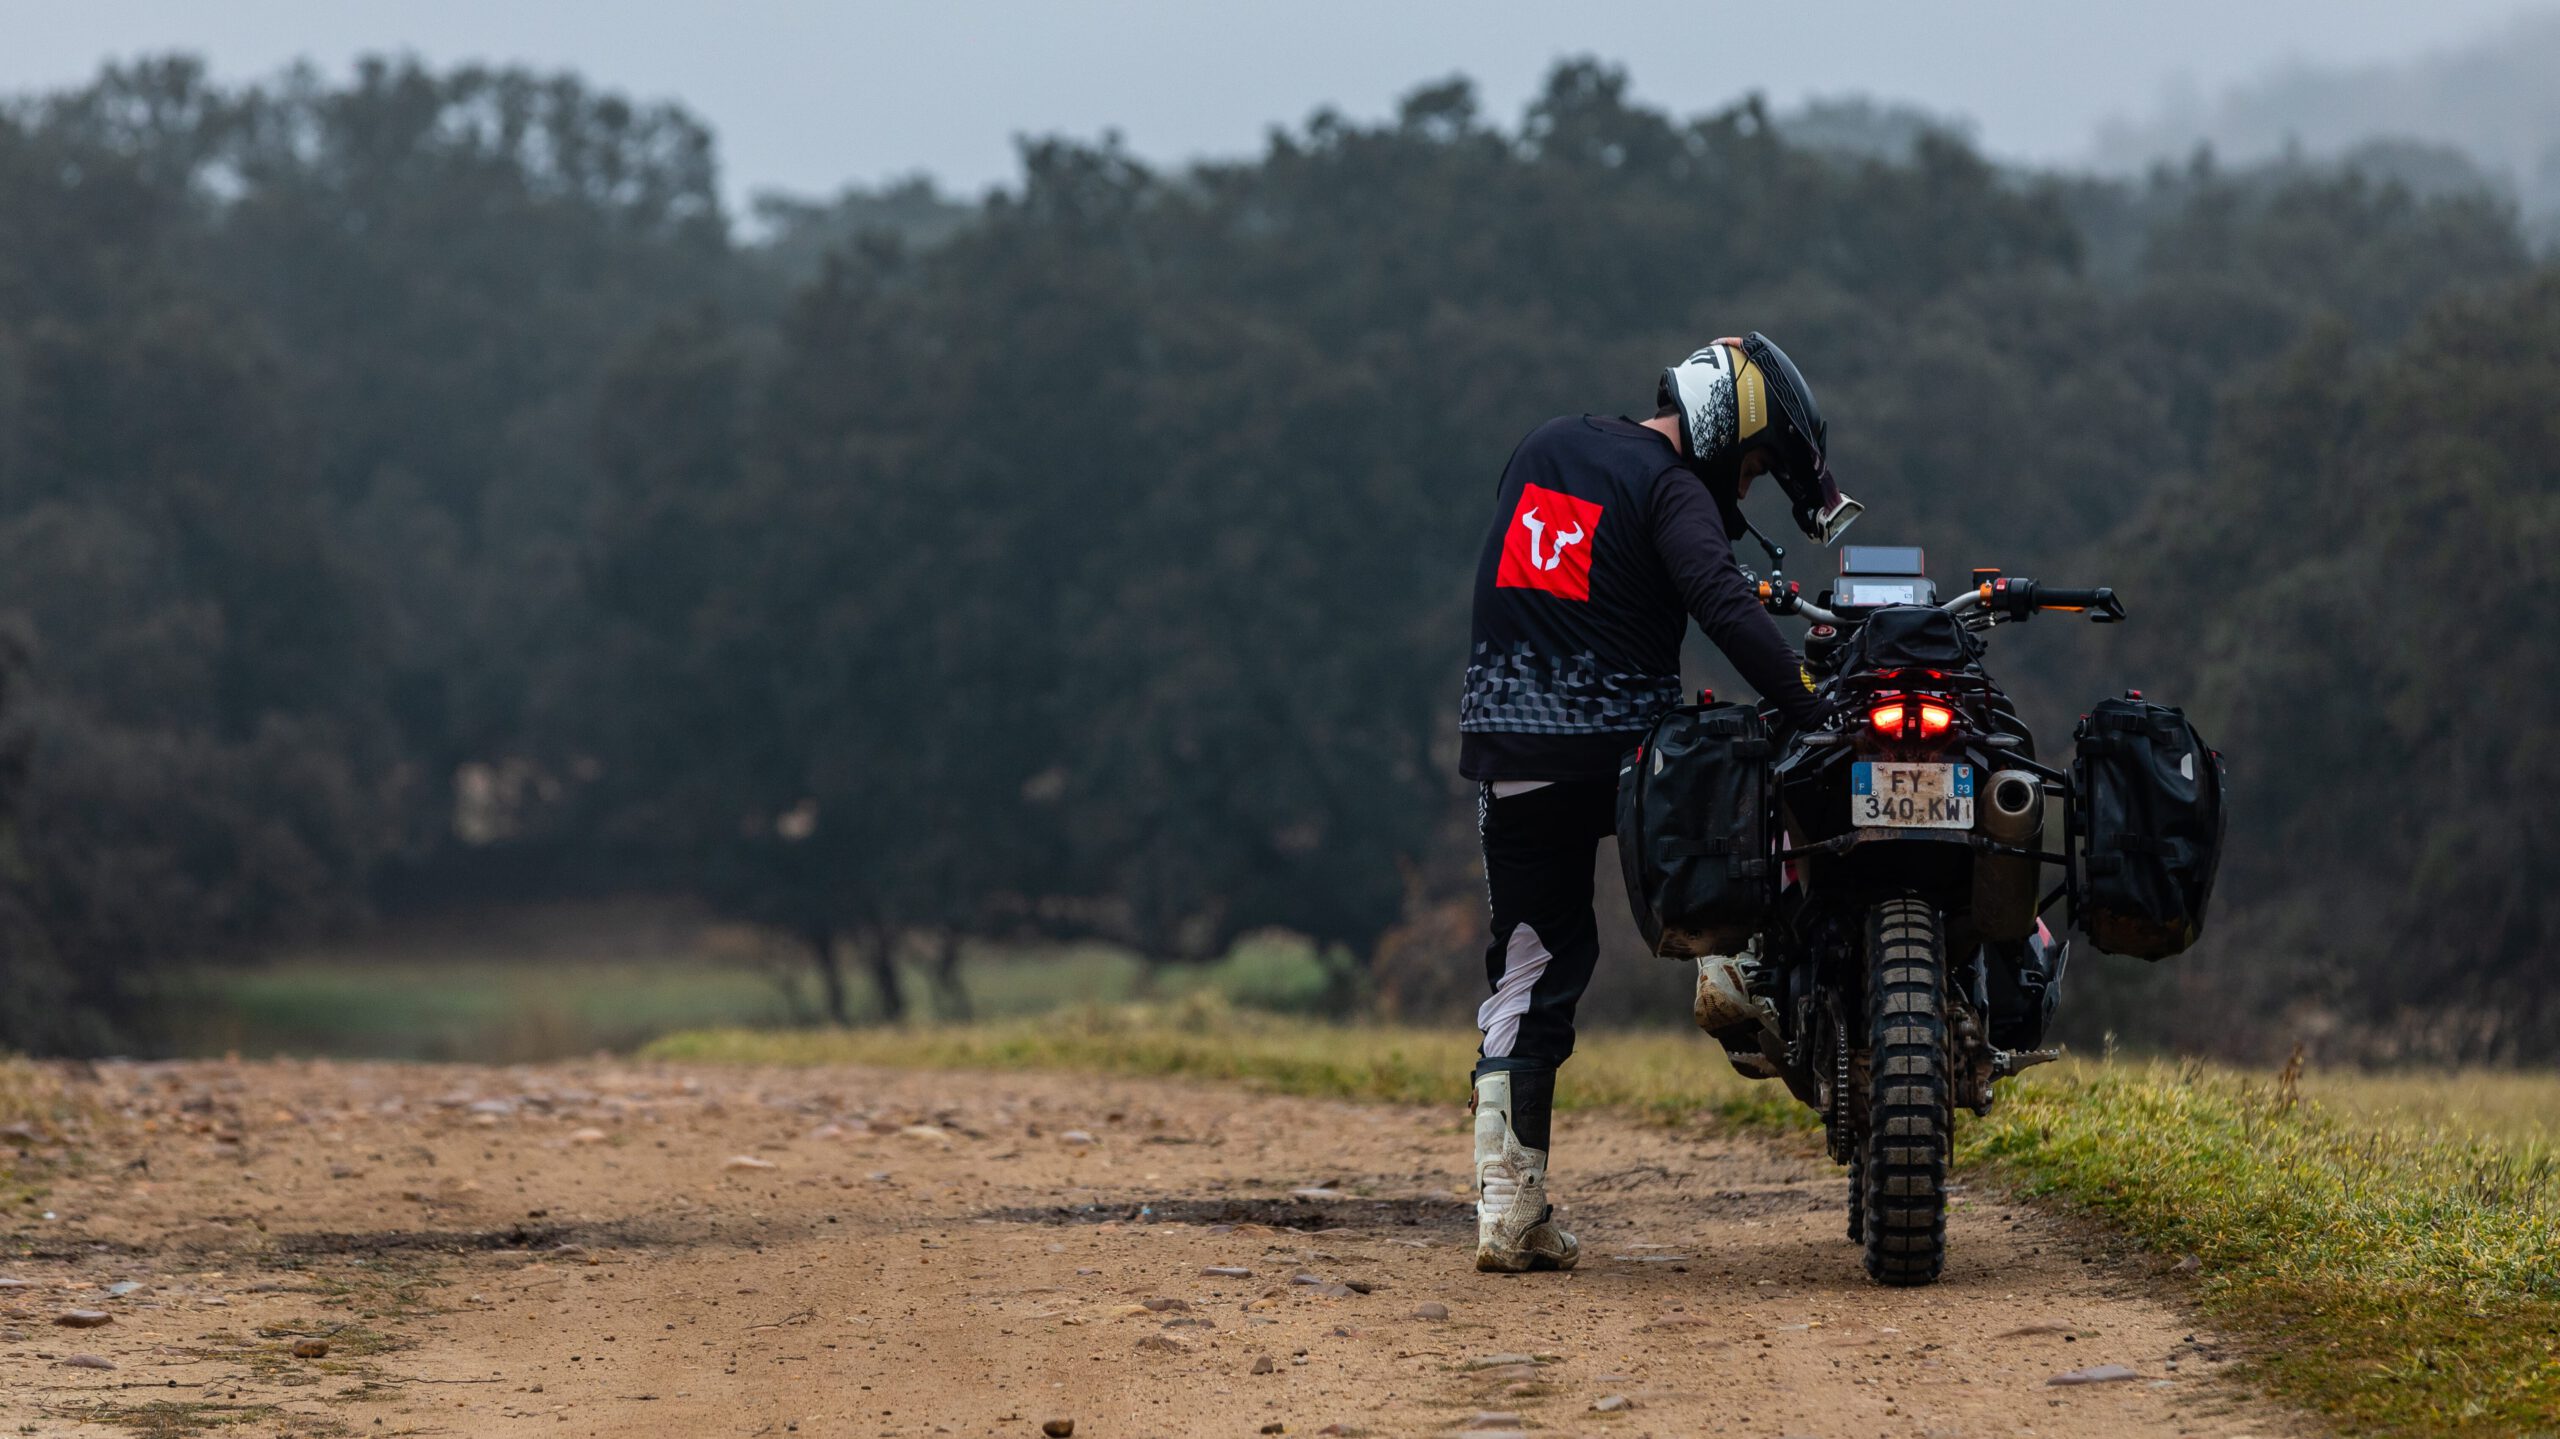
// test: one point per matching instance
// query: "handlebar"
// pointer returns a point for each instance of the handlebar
(2013, 599)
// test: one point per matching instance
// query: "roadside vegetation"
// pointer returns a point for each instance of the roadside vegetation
(416, 497)
(2391, 1255)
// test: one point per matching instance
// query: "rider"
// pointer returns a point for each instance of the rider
(1608, 534)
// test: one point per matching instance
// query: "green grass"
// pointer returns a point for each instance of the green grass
(464, 1009)
(2395, 1255)
(1202, 1037)
(508, 999)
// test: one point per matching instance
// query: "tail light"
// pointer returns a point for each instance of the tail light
(1909, 717)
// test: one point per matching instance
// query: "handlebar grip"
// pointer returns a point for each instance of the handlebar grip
(2100, 603)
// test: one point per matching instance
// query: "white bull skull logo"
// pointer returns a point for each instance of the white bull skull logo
(1537, 534)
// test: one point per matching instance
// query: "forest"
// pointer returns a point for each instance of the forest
(418, 490)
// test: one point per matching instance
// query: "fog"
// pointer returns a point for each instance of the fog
(807, 95)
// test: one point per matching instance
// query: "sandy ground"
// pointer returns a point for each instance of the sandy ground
(609, 1249)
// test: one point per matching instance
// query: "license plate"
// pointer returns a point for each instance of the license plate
(1911, 796)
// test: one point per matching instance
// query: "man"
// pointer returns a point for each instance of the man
(1608, 535)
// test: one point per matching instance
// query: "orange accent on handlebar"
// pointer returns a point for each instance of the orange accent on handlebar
(2065, 609)
(1766, 590)
(1986, 594)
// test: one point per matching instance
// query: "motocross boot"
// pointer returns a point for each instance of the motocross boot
(1516, 1229)
(1726, 1000)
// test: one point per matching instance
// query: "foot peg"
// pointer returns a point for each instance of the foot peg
(2006, 1062)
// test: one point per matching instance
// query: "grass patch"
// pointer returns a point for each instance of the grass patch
(1658, 1075)
(496, 1011)
(567, 981)
(41, 1120)
(2394, 1254)
(2402, 1278)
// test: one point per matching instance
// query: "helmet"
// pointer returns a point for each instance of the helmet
(1740, 396)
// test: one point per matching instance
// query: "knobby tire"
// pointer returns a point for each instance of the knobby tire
(1911, 1110)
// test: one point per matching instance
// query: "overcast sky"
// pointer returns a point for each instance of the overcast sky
(808, 95)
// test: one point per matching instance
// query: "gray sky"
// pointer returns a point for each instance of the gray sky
(808, 95)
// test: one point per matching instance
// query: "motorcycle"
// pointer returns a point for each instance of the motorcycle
(1893, 958)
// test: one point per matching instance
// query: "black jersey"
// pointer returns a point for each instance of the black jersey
(1603, 546)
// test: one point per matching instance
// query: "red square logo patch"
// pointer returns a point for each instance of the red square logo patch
(1548, 546)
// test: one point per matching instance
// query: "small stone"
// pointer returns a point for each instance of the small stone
(1432, 1310)
(1502, 1361)
(1302, 1277)
(88, 1361)
(1611, 1404)
(1275, 1427)
(1163, 1344)
(83, 1318)
(2100, 1374)
(1227, 1271)
(6, 1284)
(124, 1289)
(311, 1349)
(925, 1131)
(2188, 1265)
(1162, 1305)
(747, 1161)
(589, 1135)
(1057, 1428)
(1319, 1193)
(1359, 1286)
(1265, 1364)
(1075, 1137)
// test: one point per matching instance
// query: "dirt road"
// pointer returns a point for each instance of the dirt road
(610, 1249)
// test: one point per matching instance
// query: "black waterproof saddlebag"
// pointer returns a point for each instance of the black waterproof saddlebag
(1693, 829)
(2146, 803)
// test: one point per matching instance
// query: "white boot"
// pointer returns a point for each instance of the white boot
(1724, 997)
(1515, 1226)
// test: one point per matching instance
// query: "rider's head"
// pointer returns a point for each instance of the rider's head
(1745, 409)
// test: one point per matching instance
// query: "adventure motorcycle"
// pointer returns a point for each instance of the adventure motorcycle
(1875, 879)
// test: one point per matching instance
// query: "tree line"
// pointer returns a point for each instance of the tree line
(413, 493)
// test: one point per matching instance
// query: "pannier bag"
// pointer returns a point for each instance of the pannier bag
(2146, 800)
(1693, 829)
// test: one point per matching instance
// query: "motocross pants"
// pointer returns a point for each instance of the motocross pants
(1539, 847)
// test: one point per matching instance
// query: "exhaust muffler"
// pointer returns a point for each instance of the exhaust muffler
(2004, 886)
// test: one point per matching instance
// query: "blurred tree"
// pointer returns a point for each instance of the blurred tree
(408, 489)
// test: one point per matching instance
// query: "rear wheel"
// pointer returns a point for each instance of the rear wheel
(1910, 1109)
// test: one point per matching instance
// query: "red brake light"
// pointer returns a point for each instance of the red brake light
(1907, 716)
